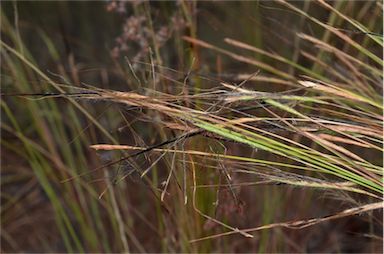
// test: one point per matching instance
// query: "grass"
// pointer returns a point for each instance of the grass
(161, 157)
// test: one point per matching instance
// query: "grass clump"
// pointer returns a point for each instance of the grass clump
(178, 159)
